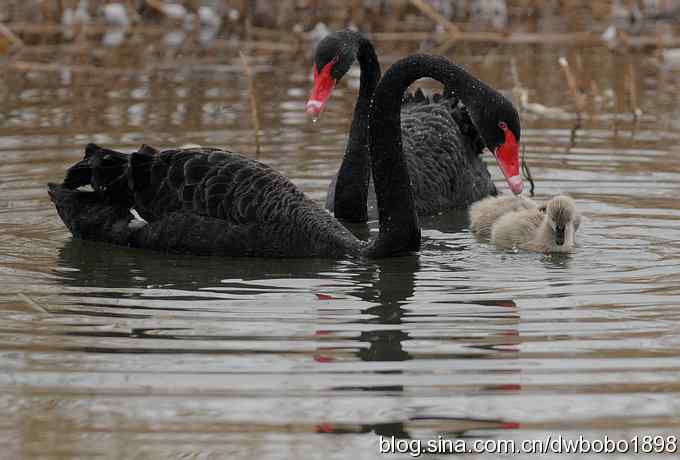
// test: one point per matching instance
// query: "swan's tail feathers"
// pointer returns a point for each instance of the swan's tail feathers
(103, 212)
(452, 104)
(91, 215)
(103, 169)
(141, 164)
(418, 97)
(78, 175)
(109, 172)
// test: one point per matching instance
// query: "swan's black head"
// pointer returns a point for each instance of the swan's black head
(334, 55)
(498, 123)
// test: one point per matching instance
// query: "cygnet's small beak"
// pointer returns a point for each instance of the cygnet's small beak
(559, 236)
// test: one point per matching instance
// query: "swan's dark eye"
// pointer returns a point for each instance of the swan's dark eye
(502, 125)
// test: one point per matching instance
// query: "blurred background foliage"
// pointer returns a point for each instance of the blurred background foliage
(120, 37)
(28, 22)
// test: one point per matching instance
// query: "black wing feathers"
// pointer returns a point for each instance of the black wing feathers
(212, 183)
(199, 201)
(442, 149)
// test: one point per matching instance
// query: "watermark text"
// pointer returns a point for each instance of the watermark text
(646, 444)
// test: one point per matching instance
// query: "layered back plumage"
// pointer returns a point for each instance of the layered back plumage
(441, 141)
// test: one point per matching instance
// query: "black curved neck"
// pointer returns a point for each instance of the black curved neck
(351, 188)
(399, 228)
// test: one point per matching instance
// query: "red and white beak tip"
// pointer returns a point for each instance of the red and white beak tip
(314, 107)
(516, 184)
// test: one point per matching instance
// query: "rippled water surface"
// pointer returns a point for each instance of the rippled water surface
(107, 352)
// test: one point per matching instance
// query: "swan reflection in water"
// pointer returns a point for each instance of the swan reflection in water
(387, 288)
(390, 289)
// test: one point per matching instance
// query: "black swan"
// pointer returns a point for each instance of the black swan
(211, 201)
(441, 144)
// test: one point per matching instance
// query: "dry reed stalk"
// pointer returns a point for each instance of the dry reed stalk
(269, 46)
(515, 38)
(631, 81)
(579, 65)
(281, 39)
(572, 39)
(50, 29)
(276, 35)
(254, 112)
(433, 14)
(403, 36)
(446, 46)
(518, 91)
(596, 93)
(521, 94)
(573, 85)
(29, 66)
(35, 305)
(526, 172)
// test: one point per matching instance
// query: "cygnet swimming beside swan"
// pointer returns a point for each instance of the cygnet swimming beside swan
(484, 213)
(518, 222)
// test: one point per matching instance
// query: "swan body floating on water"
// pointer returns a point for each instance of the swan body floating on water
(440, 135)
(212, 201)
(485, 213)
(519, 223)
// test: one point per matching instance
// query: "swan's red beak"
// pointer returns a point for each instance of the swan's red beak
(507, 157)
(323, 86)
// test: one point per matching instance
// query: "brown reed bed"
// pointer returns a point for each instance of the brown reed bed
(577, 22)
(35, 36)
